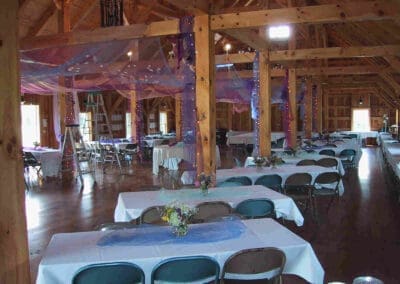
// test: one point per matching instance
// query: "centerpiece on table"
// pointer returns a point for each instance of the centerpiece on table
(36, 144)
(260, 162)
(204, 182)
(178, 215)
(275, 160)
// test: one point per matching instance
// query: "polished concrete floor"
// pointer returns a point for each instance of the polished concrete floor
(359, 235)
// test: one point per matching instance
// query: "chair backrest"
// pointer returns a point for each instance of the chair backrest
(200, 269)
(298, 179)
(256, 208)
(152, 215)
(328, 162)
(116, 226)
(238, 164)
(255, 264)
(243, 180)
(331, 145)
(131, 146)
(279, 142)
(29, 159)
(327, 178)
(348, 153)
(328, 152)
(270, 181)
(170, 179)
(104, 273)
(306, 162)
(211, 210)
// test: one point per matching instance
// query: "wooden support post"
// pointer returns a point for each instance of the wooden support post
(205, 95)
(230, 107)
(133, 117)
(292, 107)
(325, 109)
(308, 115)
(178, 117)
(14, 260)
(319, 107)
(264, 105)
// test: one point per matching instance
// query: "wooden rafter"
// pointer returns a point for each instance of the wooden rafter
(249, 37)
(194, 7)
(368, 11)
(35, 29)
(83, 14)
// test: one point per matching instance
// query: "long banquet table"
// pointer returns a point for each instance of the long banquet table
(391, 150)
(147, 246)
(284, 171)
(186, 152)
(290, 160)
(131, 204)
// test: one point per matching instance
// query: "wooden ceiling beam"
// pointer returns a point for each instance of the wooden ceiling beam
(83, 14)
(391, 81)
(330, 13)
(193, 7)
(34, 30)
(249, 37)
(314, 53)
(102, 35)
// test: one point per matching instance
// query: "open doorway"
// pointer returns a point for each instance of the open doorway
(360, 120)
(30, 125)
(163, 122)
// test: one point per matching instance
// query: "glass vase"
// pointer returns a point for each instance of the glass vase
(180, 230)
(204, 190)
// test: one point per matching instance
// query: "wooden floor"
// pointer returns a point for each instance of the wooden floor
(359, 235)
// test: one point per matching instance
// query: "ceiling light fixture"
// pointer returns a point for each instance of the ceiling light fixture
(279, 32)
(227, 47)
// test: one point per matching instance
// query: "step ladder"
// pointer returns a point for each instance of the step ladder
(70, 131)
(100, 124)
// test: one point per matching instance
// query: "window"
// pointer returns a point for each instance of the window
(361, 120)
(163, 122)
(85, 126)
(30, 124)
(128, 125)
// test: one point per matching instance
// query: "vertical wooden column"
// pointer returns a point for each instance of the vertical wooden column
(397, 122)
(292, 107)
(230, 116)
(178, 117)
(308, 114)
(325, 110)
(14, 260)
(319, 107)
(133, 116)
(264, 105)
(205, 94)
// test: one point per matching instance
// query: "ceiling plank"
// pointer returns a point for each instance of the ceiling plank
(368, 11)
(83, 14)
(194, 7)
(101, 35)
(335, 52)
(39, 24)
(249, 37)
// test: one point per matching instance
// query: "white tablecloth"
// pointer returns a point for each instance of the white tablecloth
(186, 152)
(248, 137)
(131, 204)
(50, 160)
(391, 149)
(282, 170)
(156, 142)
(290, 160)
(67, 253)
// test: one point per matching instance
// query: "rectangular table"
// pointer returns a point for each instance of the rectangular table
(130, 205)
(50, 160)
(282, 170)
(69, 252)
(186, 152)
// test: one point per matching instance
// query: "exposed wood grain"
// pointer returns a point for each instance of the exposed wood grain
(14, 260)
(264, 105)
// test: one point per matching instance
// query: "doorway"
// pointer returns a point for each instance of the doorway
(361, 120)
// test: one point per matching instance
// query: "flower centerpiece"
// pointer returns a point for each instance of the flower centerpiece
(36, 144)
(259, 161)
(205, 182)
(275, 160)
(178, 216)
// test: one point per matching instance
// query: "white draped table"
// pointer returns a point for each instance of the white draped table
(50, 160)
(391, 150)
(282, 170)
(131, 204)
(69, 252)
(186, 152)
(290, 160)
